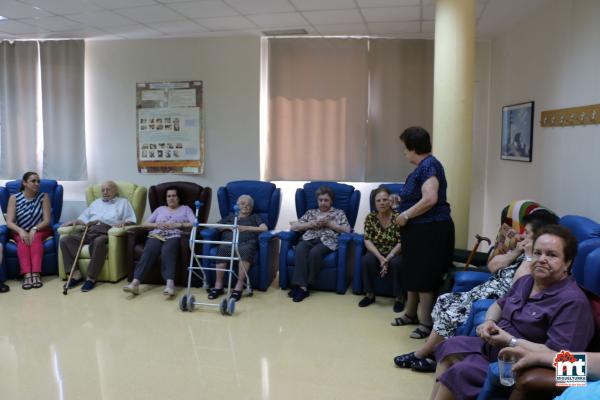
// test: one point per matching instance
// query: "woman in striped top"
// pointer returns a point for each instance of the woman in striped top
(28, 218)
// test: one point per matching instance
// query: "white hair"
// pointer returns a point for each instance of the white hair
(247, 197)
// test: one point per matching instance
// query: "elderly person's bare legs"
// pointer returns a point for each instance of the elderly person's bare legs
(239, 287)
(417, 312)
(427, 349)
(441, 392)
(426, 300)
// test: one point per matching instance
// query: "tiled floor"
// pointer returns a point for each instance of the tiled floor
(106, 344)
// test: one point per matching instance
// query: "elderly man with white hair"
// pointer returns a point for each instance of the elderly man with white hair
(104, 213)
(250, 226)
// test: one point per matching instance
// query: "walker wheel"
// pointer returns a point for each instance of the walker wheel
(190, 303)
(183, 303)
(231, 306)
(223, 307)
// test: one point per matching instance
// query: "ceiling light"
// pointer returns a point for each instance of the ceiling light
(286, 32)
(2, 18)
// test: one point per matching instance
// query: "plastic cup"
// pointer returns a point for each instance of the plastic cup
(505, 371)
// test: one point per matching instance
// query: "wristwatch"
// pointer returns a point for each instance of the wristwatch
(512, 342)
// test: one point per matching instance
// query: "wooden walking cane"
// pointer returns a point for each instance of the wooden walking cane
(66, 285)
(479, 240)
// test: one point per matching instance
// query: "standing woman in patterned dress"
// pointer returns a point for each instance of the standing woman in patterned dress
(28, 218)
(428, 233)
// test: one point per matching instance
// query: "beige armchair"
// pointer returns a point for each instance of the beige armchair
(115, 267)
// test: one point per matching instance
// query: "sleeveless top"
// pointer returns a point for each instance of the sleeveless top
(29, 212)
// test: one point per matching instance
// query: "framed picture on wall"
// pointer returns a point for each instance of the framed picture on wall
(517, 132)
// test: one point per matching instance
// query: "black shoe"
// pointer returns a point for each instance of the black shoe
(4, 287)
(405, 360)
(424, 365)
(236, 295)
(398, 306)
(214, 293)
(293, 292)
(366, 301)
(300, 295)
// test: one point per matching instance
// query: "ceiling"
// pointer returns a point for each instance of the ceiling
(136, 19)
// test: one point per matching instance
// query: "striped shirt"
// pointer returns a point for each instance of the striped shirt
(29, 212)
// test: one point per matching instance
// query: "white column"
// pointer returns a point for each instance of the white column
(453, 88)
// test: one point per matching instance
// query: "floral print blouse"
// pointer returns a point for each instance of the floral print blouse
(328, 236)
(383, 238)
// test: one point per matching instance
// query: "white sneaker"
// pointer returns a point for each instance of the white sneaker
(131, 289)
(169, 291)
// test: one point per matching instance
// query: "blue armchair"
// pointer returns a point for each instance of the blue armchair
(267, 203)
(3, 236)
(587, 233)
(334, 274)
(382, 286)
(50, 261)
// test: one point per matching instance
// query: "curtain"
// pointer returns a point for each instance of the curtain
(400, 95)
(18, 118)
(338, 106)
(317, 109)
(62, 81)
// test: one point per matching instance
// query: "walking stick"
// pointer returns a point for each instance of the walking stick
(66, 285)
(479, 240)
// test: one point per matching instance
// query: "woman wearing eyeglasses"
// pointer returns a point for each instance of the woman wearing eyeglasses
(28, 218)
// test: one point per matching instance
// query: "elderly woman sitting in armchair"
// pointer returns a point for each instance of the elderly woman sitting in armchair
(250, 226)
(382, 241)
(545, 307)
(321, 227)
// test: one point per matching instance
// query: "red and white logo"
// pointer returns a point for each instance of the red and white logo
(571, 369)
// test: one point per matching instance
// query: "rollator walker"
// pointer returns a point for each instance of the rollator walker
(226, 306)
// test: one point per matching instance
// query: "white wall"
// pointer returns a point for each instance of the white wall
(552, 59)
(229, 68)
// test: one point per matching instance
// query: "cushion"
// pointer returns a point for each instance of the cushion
(512, 225)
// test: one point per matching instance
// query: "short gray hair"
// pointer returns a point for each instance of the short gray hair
(247, 197)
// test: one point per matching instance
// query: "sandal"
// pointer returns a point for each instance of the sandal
(27, 283)
(236, 295)
(421, 332)
(405, 360)
(214, 293)
(424, 365)
(37, 282)
(405, 320)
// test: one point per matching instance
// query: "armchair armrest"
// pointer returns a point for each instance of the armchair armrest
(208, 234)
(467, 280)
(121, 231)
(268, 258)
(344, 241)
(536, 383)
(137, 234)
(359, 247)
(476, 317)
(69, 230)
(288, 240)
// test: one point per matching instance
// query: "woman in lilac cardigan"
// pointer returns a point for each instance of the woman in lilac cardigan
(166, 223)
